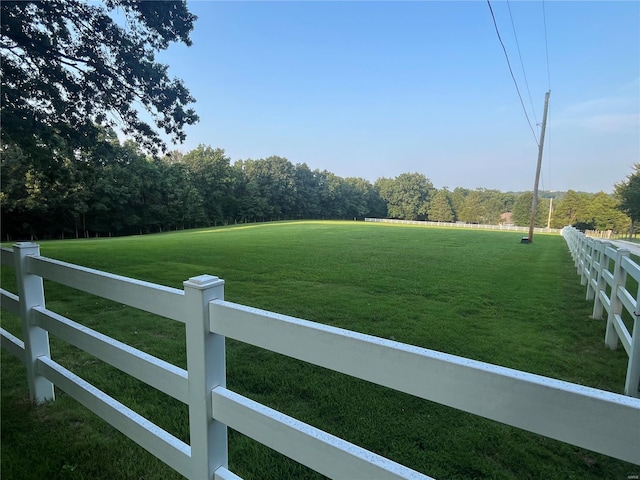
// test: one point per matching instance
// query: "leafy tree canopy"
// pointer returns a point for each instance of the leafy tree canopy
(522, 211)
(407, 195)
(628, 193)
(71, 66)
(440, 209)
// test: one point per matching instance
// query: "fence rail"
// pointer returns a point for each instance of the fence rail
(508, 228)
(605, 270)
(601, 421)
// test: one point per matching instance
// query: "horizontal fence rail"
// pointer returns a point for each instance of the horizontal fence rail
(594, 419)
(153, 371)
(605, 270)
(152, 438)
(164, 301)
(508, 228)
(157, 373)
(12, 344)
(318, 450)
(600, 421)
(6, 257)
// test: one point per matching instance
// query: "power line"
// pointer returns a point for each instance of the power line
(546, 44)
(533, 109)
(511, 71)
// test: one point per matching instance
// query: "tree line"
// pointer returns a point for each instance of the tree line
(71, 70)
(113, 188)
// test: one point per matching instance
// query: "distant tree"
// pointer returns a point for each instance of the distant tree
(212, 175)
(493, 210)
(407, 195)
(307, 190)
(605, 214)
(67, 68)
(628, 194)
(472, 210)
(252, 206)
(508, 199)
(521, 214)
(573, 208)
(440, 209)
(184, 204)
(334, 198)
(271, 182)
(359, 193)
(376, 206)
(457, 198)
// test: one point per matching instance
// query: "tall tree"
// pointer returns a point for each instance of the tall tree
(366, 200)
(522, 211)
(605, 214)
(457, 198)
(272, 185)
(307, 192)
(407, 195)
(472, 210)
(572, 209)
(493, 208)
(67, 67)
(212, 175)
(440, 209)
(628, 194)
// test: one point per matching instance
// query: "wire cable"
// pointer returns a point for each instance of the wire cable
(546, 44)
(526, 82)
(511, 71)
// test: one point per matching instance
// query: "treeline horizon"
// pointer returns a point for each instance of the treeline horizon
(114, 189)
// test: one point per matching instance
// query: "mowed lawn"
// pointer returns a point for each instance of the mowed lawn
(477, 294)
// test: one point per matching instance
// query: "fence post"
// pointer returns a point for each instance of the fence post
(207, 370)
(586, 263)
(593, 260)
(632, 383)
(36, 340)
(580, 250)
(601, 284)
(619, 279)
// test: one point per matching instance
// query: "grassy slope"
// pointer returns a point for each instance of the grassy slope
(476, 294)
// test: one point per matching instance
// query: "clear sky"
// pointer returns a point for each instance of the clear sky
(375, 89)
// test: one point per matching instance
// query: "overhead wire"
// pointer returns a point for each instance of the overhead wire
(546, 47)
(546, 43)
(515, 35)
(511, 71)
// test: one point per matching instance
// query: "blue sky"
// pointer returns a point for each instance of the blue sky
(375, 89)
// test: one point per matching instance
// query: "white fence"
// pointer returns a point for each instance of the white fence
(508, 228)
(601, 421)
(605, 271)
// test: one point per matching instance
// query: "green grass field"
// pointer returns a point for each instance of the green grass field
(477, 294)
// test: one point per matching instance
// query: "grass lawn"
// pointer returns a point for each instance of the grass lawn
(477, 294)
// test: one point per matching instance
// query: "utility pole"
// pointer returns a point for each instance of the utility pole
(550, 210)
(534, 203)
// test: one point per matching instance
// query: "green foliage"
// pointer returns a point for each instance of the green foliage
(472, 210)
(480, 205)
(606, 214)
(628, 194)
(68, 68)
(440, 209)
(457, 198)
(213, 179)
(522, 211)
(407, 196)
(588, 211)
(113, 189)
(475, 294)
(571, 209)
